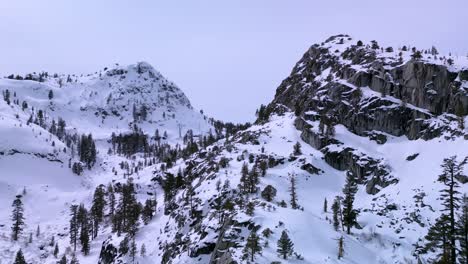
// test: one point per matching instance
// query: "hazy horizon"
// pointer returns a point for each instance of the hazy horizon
(227, 57)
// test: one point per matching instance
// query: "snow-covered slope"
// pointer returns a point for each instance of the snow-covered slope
(112, 100)
(385, 117)
(36, 161)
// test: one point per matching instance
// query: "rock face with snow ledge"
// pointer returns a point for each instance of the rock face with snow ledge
(364, 87)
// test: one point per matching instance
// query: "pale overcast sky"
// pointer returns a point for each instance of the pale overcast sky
(227, 56)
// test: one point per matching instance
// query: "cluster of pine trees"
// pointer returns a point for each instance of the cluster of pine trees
(87, 150)
(253, 246)
(344, 213)
(116, 203)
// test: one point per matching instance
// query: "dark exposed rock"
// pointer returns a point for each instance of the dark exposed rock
(365, 169)
(311, 169)
(108, 254)
(376, 136)
(412, 157)
(432, 90)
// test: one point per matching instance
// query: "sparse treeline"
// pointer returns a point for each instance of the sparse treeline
(83, 146)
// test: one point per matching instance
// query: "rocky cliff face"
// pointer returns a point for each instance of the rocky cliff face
(368, 89)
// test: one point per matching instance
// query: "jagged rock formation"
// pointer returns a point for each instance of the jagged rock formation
(341, 79)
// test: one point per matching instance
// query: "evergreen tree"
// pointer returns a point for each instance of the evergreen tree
(128, 210)
(84, 239)
(143, 250)
(336, 209)
(133, 250)
(462, 227)
(325, 205)
(148, 211)
(269, 193)
(123, 246)
(74, 226)
(250, 208)
(87, 150)
(252, 247)
(285, 245)
(51, 94)
(297, 149)
(19, 259)
(252, 180)
(244, 182)
(63, 260)
(97, 209)
(438, 239)
(56, 250)
(6, 96)
(349, 213)
(111, 198)
(340, 247)
(38, 231)
(452, 170)
(293, 191)
(17, 217)
(74, 260)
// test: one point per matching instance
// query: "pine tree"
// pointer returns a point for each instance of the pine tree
(452, 170)
(17, 217)
(19, 259)
(336, 209)
(148, 211)
(38, 231)
(56, 250)
(250, 208)
(438, 239)
(74, 260)
(133, 250)
(349, 213)
(74, 226)
(52, 241)
(51, 94)
(123, 246)
(325, 205)
(6, 96)
(97, 209)
(269, 193)
(253, 179)
(293, 191)
(63, 260)
(111, 198)
(244, 182)
(252, 247)
(340, 247)
(285, 245)
(462, 226)
(297, 149)
(84, 239)
(143, 250)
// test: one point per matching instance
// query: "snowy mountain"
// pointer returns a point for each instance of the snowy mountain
(351, 117)
(36, 156)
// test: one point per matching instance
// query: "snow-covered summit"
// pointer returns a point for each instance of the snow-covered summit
(115, 98)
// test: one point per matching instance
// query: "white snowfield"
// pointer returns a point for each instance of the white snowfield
(103, 102)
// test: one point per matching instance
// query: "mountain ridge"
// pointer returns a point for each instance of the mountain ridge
(348, 110)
